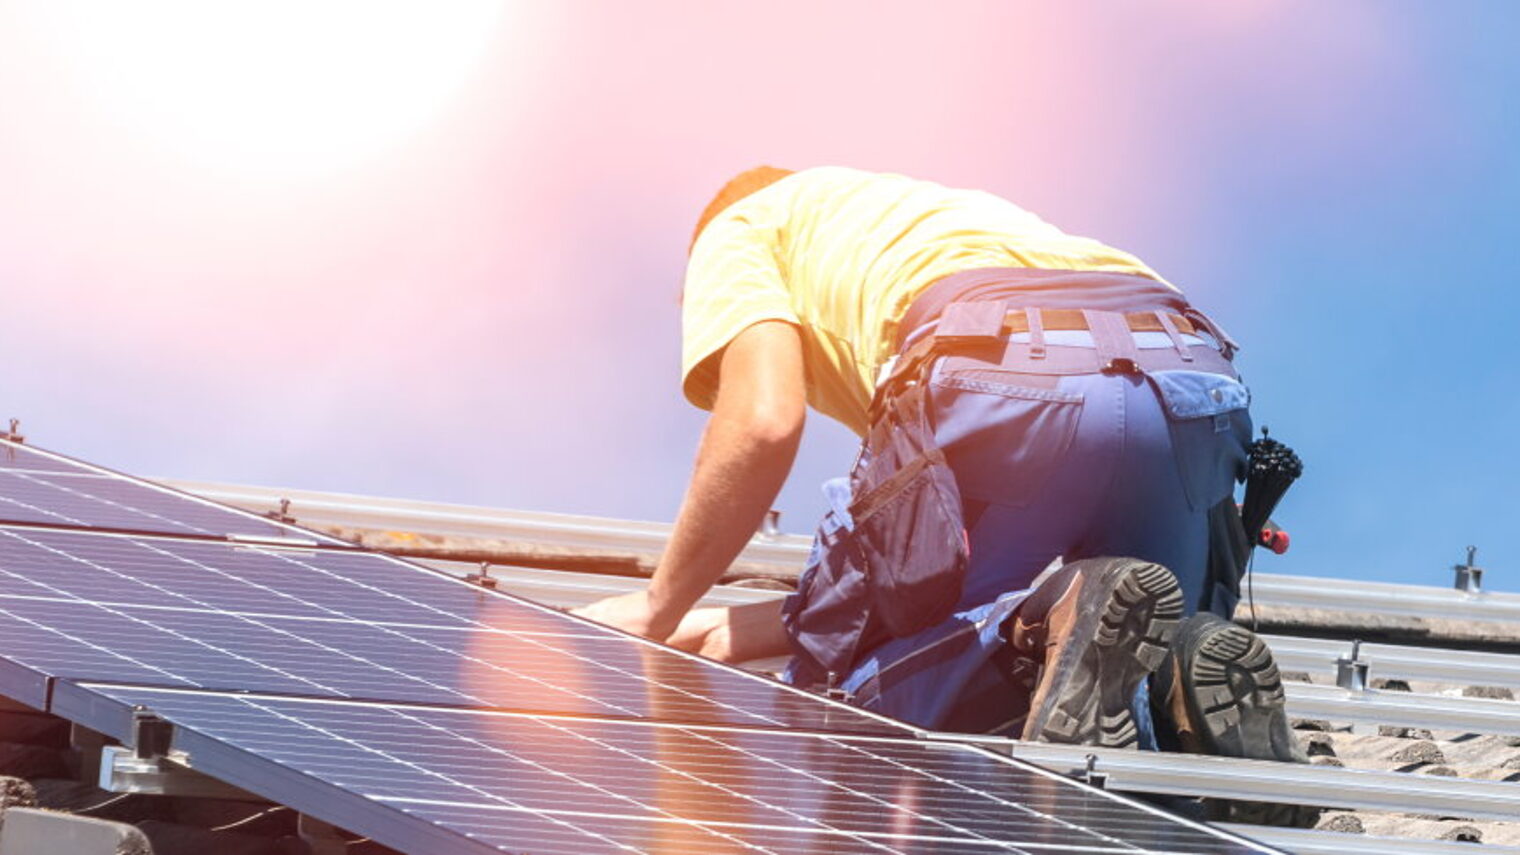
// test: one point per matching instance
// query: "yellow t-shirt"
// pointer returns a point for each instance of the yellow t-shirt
(842, 253)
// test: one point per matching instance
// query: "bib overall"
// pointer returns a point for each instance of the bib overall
(1005, 437)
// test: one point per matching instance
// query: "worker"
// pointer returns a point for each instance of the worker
(1048, 428)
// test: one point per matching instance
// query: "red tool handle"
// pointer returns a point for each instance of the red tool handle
(1275, 539)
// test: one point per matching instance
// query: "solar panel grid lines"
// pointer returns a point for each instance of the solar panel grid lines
(571, 785)
(436, 716)
(16, 459)
(39, 642)
(313, 619)
(350, 624)
(43, 488)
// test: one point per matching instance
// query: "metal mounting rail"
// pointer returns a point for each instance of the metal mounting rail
(1435, 665)
(1260, 780)
(783, 552)
(569, 589)
(1303, 841)
(598, 534)
(1405, 709)
(1384, 598)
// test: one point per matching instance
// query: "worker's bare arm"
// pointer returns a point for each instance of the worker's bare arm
(744, 457)
(734, 633)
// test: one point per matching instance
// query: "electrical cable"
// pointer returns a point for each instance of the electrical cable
(105, 804)
(250, 818)
(1251, 589)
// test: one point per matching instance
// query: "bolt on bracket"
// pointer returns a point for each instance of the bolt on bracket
(483, 578)
(283, 514)
(1351, 672)
(1469, 577)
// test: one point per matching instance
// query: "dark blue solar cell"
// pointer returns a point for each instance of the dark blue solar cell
(336, 623)
(23, 458)
(42, 488)
(559, 785)
(214, 575)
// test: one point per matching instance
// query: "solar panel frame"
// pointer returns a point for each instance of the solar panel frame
(24, 685)
(833, 792)
(44, 470)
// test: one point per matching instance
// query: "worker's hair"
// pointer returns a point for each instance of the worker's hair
(737, 188)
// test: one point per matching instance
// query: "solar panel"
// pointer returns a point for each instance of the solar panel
(42, 488)
(436, 716)
(435, 780)
(344, 624)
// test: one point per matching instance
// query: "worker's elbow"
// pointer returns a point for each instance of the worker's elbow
(777, 428)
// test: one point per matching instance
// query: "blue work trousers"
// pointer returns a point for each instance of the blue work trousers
(1052, 467)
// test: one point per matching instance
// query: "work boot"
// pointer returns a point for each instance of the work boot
(1096, 629)
(1219, 693)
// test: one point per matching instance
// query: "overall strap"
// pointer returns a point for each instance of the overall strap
(1036, 332)
(1171, 331)
(1227, 345)
(965, 324)
(1114, 341)
(972, 322)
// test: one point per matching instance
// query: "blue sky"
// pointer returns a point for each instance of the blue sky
(465, 290)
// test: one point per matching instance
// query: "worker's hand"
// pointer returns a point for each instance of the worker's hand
(704, 632)
(631, 612)
(734, 634)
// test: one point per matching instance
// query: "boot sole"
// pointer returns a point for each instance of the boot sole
(1236, 701)
(1236, 693)
(1126, 616)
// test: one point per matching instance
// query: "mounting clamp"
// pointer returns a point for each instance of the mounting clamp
(770, 526)
(483, 578)
(1091, 776)
(1351, 672)
(14, 434)
(152, 766)
(1469, 577)
(836, 692)
(122, 771)
(151, 735)
(283, 514)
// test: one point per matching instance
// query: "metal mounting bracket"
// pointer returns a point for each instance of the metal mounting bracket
(1091, 776)
(1469, 578)
(14, 434)
(1351, 672)
(151, 766)
(321, 838)
(483, 578)
(87, 745)
(122, 771)
(770, 526)
(835, 692)
(283, 514)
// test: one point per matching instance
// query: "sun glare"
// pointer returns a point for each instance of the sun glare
(274, 86)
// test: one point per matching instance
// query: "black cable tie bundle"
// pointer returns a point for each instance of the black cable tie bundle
(1273, 467)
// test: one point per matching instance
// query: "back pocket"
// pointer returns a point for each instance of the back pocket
(1210, 427)
(1002, 434)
